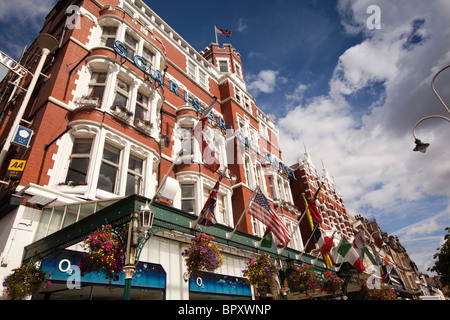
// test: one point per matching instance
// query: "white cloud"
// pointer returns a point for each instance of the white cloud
(241, 25)
(265, 81)
(368, 148)
(21, 15)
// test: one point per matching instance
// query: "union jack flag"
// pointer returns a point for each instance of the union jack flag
(207, 216)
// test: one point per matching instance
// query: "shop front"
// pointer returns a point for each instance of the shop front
(149, 281)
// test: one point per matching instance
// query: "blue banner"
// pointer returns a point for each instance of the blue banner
(203, 282)
(63, 267)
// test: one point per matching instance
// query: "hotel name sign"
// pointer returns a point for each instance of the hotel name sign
(122, 50)
(12, 65)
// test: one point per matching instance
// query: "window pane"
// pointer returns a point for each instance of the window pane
(133, 184)
(110, 42)
(86, 210)
(223, 65)
(107, 178)
(98, 77)
(82, 146)
(135, 164)
(71, 215)
(187, 206)
(130, 41)
(77, 169)
(109, 31)
(96, 92)
(111, 154)
(55, 223)
(139, 112)
(43, 223)
(187, 191)
(120, 100)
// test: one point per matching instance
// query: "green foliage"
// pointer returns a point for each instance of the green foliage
(442, 263)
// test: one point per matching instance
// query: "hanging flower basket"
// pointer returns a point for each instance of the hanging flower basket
(104, 254)
(260, 270)
(332, 284)
(25, 281)
(203, 254)
(382, 293)
(306, 280)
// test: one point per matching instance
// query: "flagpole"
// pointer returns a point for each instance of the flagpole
(158, 191)
(230, 234)
(307, 242)
(215, 30)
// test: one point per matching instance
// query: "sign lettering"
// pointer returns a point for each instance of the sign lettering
(12, 65)
(15, 169)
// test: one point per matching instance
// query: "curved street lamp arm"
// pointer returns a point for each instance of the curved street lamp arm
(434, 90)
(426, 118)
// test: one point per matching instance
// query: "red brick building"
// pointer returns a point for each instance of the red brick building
(329, 202)
(115, 103)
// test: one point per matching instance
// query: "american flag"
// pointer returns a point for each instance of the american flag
(261, 210)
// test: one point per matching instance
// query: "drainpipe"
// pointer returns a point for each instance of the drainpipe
(48, 44)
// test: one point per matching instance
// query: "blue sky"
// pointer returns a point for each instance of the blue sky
(349, 93)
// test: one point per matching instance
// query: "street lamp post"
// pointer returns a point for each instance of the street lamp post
(420, 146)
(138, 235)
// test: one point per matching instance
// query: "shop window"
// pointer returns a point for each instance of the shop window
(97, 85)
(188, 198)
(134, 176)
(108, 37)
(109, 169)
(79, 160)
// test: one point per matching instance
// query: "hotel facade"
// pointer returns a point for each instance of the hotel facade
(110, 121)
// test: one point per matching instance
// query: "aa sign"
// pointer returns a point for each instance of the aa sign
(15, 169)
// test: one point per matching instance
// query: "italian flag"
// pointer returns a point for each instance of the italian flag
(350, 255)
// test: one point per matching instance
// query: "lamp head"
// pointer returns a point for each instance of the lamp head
(146, 216)
(420, 146)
